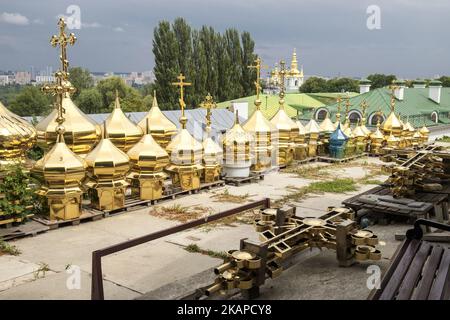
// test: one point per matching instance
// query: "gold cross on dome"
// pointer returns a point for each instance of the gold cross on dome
(208, 104)
(62, 40)
(181, 84)
(257, 66)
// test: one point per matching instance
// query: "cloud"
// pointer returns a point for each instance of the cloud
(14, 18)
(38, 21)
(118, 29)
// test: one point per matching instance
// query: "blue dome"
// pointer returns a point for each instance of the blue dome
(338, 134)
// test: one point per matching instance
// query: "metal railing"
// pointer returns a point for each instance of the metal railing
(97, 292)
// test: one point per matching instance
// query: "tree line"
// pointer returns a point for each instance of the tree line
(213, 62)
(378, 80)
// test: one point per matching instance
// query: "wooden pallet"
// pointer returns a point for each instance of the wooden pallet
(29, 228)
(132, 204)
(9, 223)
(436, 203)
(254, 177)
(85, 217)
(341, 160)
(304, 161)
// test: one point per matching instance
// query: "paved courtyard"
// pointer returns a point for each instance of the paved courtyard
(164, 269)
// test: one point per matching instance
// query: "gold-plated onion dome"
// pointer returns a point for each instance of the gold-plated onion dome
(301, 128)
(327, 125)
(161, 128)
(147, 156)
(358, 132)
(107, 167)
(377, 134)
(349, 132)
(16, 136)
(392, 123)
(236, 144)
(424, 131)
(61, 172)
(121, 130)
(184, 149)
(288, 130)
(81, 133)
(312, 127)
(391, 140)
(148, 160)
(410, 127)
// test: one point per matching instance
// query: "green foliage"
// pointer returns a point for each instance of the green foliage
(9, 92)
(81, 79)
(17, 197)
(214, 63)
(380, 80)
(444, 139)
(316, 84)
(194, 248)
(35, 153)
(7, 248)
(130, 98)
(31, 101)
(335, 186)
(445, 81)
(90, 101)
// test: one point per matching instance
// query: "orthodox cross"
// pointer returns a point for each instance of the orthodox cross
(62, 40)
(59, 90)
(379, 113)
(347, 108)
(364, 106)
(208, 104)
(338, 114)
(181, 84)
(257, 66)
(282, 86)
(393, 88)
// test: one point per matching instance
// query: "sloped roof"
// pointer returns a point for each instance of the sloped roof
(221, 119)
(293, 102)
(415, 104)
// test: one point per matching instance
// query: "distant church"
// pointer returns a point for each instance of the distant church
(293, 79)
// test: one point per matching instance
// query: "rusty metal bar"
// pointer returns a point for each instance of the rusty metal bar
(97, 275)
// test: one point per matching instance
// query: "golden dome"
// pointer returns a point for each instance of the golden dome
(358, 132)
(287, 128)
(147, 156)
(301, 128)
(392, 123)
(212, 152)
(161, 128)
(392, 140)
(16, 135)
(294, 65)
(237, 142)
(107, 165)
(377, 134)
(312, 127)
(81, 133)
(410, 127)
(327, 125)
(424, 131)
(258, 123)
(417, 135)
(348, 132)
(61, 170)
(184, 149)
(121, 130)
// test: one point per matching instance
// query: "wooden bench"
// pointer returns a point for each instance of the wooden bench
(420, 270)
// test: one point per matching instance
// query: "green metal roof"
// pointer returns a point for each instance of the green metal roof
(416, 105)
(269, 106)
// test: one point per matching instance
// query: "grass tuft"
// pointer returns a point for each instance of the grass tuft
(6, 248)
(180, 213)
(335, 186)
(193, 248)
(226, 196)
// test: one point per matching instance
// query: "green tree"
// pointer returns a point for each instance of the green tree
(314, 84)
(445, 81)
(380, 80)
(248, 57)
(130, 98)
(165, 51)
(90, 101)
(233, 47)
(31, 101)
(342, 85)
(80, 79)
(200, 65)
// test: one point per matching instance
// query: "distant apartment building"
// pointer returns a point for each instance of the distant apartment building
(22, 77)
(44, 79)
(6, 79)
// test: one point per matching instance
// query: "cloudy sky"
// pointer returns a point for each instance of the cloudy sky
(331, 36)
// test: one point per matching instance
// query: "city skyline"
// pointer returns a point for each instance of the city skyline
(331, 39)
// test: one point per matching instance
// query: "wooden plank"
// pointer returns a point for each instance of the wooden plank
(396, 279)
(412, 276)
(428, 273)
(442, 280)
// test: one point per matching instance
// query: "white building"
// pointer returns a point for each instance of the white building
(44, 79)
(294, 77)
(22, 77)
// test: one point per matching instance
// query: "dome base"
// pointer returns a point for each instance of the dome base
(238, 170)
